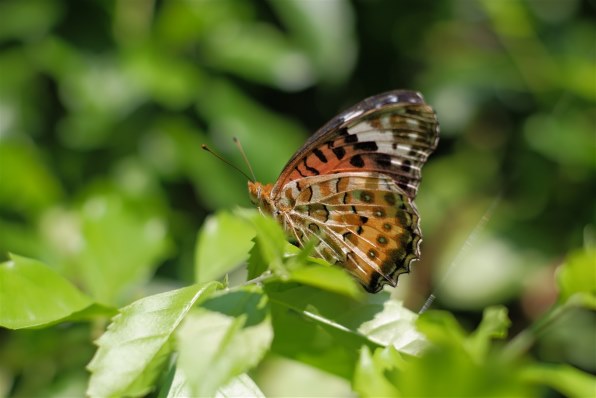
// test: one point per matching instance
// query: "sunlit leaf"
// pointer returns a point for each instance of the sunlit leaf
(327, 278)
(321, 328)
(226, 337)
(314, 340)
(369, 377)
(378, 318)
(270, 239)
(395, 326)
(576, 278)
(33, 294)
(240, 386)
(137, 343)
(222, 244)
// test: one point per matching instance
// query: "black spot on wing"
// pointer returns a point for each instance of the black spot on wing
(383, 160)
(357, 161)
(404, 186)
(368, 146)
(318, 153)
(339, 152)
(351, 138)
(406, 166)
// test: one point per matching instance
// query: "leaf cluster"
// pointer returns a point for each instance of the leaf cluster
(206, 339)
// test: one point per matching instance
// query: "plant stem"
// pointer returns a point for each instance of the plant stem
(521, 343)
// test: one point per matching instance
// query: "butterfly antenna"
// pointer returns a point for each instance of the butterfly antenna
(245, 158)
(206, 148)
(465, 249)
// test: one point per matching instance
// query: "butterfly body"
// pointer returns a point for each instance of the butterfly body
(352, 185)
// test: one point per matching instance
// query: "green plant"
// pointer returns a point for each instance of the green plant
(204, 339)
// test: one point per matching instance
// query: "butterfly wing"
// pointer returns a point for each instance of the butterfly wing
(362, 220)
(391, 133)
(353, 183)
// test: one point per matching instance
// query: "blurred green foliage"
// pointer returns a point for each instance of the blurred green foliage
(104, 106)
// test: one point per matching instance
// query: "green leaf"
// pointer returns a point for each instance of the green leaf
(327, 278)
(567, 380)
(222, 244)
(441, 327)
(109, 243)
(459, 364)
(270, 239)
(170, 81)
(25, 176)
(378, 318)
(448, 371)
(259, 52)
(577, 278)
(394, 326)
(495, 324)
(369, 377)
(326, 330)
(32, 294)
(25, 21)
(227, 336)
(256, 264)
(136, 345)
(240, 386)
(313, 340)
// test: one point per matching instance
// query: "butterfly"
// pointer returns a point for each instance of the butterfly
(352, 187)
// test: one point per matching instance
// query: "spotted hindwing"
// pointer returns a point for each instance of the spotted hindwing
(362, 221)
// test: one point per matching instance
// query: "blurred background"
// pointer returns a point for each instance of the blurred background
(104, 106)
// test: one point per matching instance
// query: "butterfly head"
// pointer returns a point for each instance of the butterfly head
(260, 196)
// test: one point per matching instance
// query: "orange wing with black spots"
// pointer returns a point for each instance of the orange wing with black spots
(391, 133)
(363, 221)
(352, 187)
